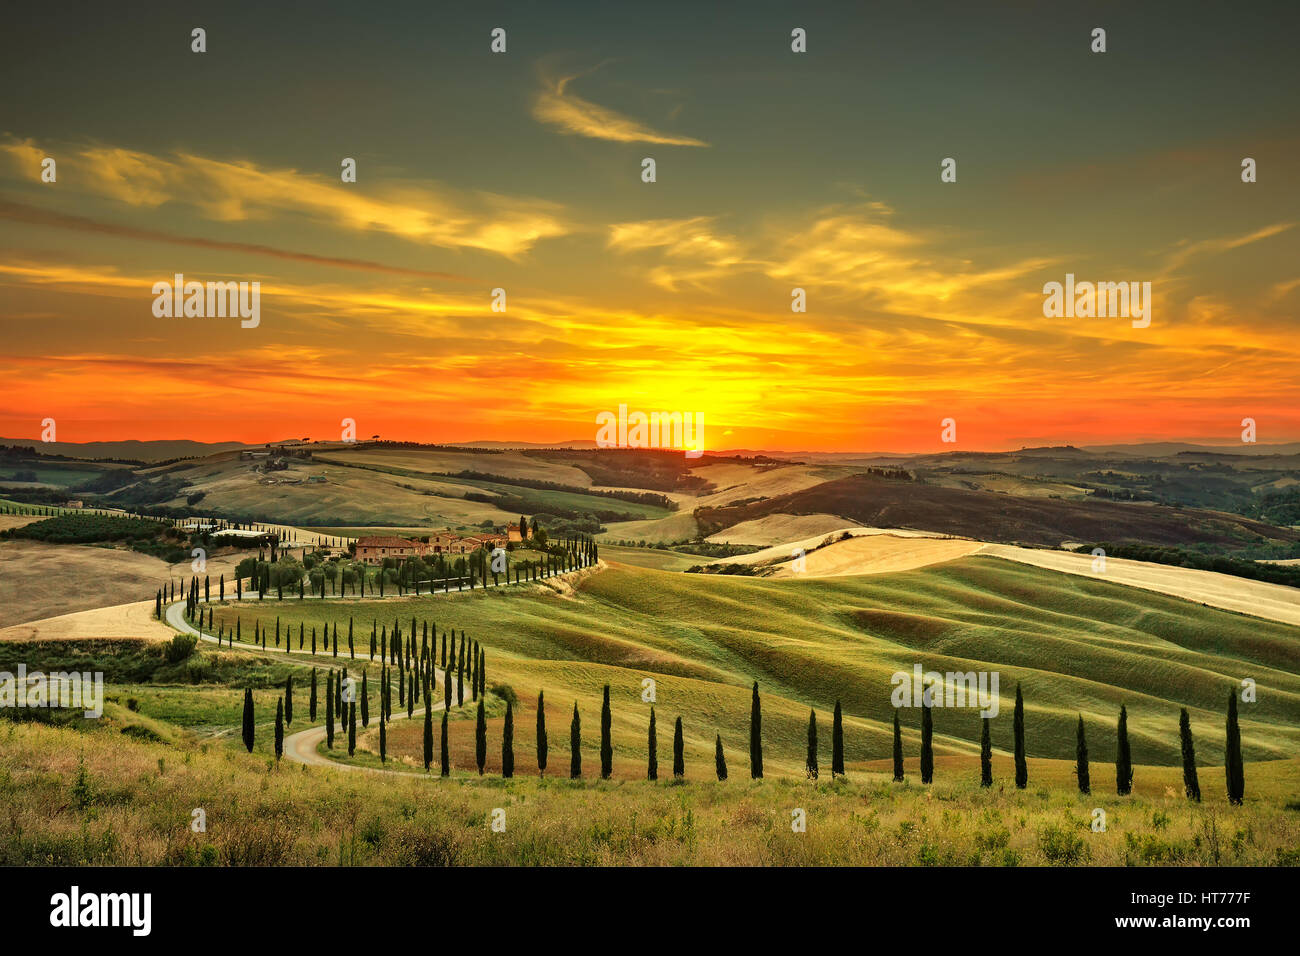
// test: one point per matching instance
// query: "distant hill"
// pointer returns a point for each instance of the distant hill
(989, 516)
(184, 448)
(1169, 449)
(132, 450)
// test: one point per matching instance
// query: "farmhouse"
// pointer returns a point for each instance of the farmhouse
(374, 548)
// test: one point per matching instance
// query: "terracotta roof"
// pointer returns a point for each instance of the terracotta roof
(380, 541)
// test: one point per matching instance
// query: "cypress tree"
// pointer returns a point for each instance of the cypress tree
(756, 737)
(311, 706)
(679, 747)
(810, 763)
(446, 753)
(898, 749)
(365, 701)
(541, 733)
(352, 727)
(652, 746)
(1018, 727)
(927, 743)
(279, 729)
(410, 697)
(480, 739)
(1191, 785)
(986, 755)
(288, 699)
(1081, 760)
(428, 738)
(837, 743)
(482, 676)
(352, 652)
(460, 676)
(329, 710)
(446, 690)
(383, 737)
(575, 745)
(1123, 758)
(508, 742)
(606, 745)
(248, 718)
(719, 761)
(1233, 767)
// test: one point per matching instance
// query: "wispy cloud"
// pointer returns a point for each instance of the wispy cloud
(233, 191)
(1187, 250)
(556, 105)
(702, 253)
(19, 212)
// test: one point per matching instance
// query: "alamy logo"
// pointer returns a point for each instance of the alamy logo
(211, 300)
(656, 430)
(76, 690)
(72, 909)
(953, 689)
(1102, 300)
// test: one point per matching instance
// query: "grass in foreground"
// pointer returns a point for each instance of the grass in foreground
(71, 800)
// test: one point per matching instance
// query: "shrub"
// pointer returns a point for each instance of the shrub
(83, 794)
(181, 647)
(139, 732)
(1061, 847)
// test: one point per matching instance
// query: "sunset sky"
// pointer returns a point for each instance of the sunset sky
(775, 170)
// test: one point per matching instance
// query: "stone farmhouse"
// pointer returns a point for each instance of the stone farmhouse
(373, 549)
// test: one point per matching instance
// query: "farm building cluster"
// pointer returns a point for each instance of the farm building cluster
(373, 549)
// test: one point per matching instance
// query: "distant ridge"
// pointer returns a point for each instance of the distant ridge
(163, 449)
(132, 450)
(1169, 449)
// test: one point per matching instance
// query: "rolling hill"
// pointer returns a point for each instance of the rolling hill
(878, 502)
(1077, 645)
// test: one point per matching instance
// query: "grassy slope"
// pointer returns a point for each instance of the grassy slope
(1078, 646)
(135, 805)
(1076, 643)
(989, 516)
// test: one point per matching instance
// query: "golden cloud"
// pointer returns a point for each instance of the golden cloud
(557, 106)
(234, 191)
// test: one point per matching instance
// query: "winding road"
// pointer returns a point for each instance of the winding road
(302, 747)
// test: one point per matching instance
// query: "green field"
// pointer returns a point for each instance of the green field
(1078, 646)
(169, 740)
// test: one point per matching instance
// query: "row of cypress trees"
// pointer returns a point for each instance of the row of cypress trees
(1233, 764)
(1123, 762)
(565, 555)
